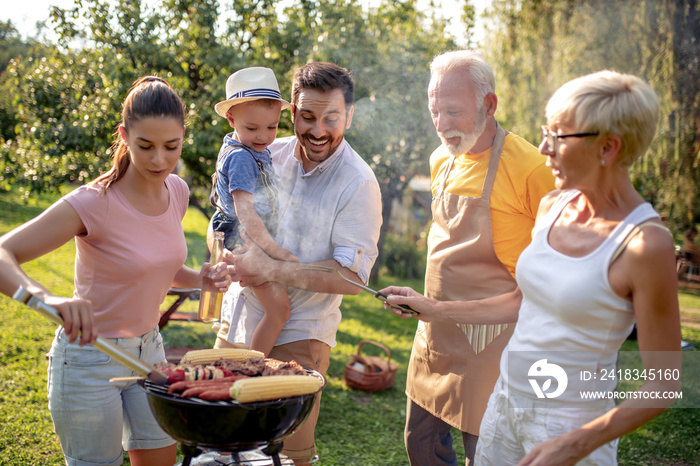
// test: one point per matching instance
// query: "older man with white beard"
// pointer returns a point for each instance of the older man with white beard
(487, 185)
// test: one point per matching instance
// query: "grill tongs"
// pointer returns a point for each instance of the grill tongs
(376, 294)
(106, 346)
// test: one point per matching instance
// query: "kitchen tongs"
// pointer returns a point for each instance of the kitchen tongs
(106, 346)
(376, 294)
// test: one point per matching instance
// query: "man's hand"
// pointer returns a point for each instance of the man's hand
(404, 295)
(251, 265)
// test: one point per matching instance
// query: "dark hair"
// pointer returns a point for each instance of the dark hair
(149, 96)
(323, 76)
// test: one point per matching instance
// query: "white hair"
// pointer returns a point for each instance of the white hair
(471, 63)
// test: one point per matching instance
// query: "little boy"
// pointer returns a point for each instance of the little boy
(243, 191)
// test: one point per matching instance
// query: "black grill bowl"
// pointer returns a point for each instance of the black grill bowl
(228, 425)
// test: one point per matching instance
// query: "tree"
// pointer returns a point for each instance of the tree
(179, 42)
(387, 50)
(682, 122)
(69, 103)
(535, 47)
(66, 116)
(12, 44)
(11, 47)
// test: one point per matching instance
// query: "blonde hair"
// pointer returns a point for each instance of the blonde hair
(469, 62)
(608, 102)
(149, 96)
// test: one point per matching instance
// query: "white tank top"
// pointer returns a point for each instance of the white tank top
(570, 314)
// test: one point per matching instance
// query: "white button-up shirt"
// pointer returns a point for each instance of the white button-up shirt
(334, 211)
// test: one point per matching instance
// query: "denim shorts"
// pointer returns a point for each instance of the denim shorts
(95, 418)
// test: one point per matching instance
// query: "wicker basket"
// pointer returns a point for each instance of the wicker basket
(370, 373)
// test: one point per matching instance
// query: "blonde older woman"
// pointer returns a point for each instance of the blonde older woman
(600, 260)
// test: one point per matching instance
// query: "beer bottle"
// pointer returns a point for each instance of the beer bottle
(209, 298)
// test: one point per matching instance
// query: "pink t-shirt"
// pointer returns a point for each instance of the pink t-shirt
(126, 262)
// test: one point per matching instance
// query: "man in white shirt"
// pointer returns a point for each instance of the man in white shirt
(329, 214)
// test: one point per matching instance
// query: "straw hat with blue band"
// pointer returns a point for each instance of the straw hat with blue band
(250, 84)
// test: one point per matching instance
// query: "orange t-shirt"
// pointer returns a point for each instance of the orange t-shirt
(521, 181)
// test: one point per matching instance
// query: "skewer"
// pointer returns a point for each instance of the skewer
(127, 379)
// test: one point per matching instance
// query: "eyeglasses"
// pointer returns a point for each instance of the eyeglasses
(552, 138)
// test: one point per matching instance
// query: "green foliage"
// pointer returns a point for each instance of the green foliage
(12, 44)
(534, 47)
(12, 47)
(388, 51)
(404, 256)
(176, 41)
(66, 116)
(196, 45)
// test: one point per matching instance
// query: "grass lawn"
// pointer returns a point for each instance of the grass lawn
(354, 428)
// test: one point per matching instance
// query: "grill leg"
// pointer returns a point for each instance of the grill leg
(189, 452)
(276, 460)
(273, 450)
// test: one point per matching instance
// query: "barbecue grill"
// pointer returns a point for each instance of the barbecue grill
(229, 426)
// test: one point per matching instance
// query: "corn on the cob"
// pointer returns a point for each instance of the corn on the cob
(211, 355)
(273, 387)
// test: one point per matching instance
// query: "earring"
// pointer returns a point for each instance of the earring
(602, 162)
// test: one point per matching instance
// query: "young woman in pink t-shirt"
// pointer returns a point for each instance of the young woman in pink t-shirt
(130, 248)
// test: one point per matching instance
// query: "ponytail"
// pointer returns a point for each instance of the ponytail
(149, 96)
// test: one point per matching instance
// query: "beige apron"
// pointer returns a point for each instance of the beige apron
(453, 368)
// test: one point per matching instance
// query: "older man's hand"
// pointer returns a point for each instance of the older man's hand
(404, 295)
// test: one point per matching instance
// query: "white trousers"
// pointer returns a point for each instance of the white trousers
(514, 424)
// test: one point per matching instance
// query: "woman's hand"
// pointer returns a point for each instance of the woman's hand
(219, 273)
(78, 318)
(404, 295)
(558, 450)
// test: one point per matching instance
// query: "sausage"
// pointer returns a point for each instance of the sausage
(219, 388)
(218, 394)
(185, 384)
(196, 391)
